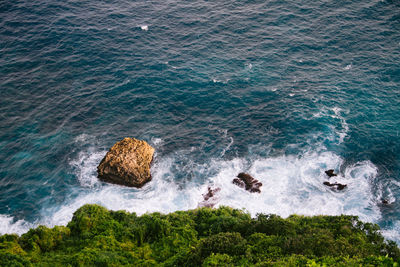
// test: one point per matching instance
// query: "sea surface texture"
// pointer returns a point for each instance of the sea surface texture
(283, 90)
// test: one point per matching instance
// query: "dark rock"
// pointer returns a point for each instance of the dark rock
(127, 163)
(385, 201)
(254, 190)
(247, 182)
(337, 186)
(209, 198)
(239, 183)
(330, 173)
(211, 192)
(341, 186)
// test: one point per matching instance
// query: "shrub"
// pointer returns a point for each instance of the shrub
(10, 259)
(91, 220)
(9, 243)
(43, 238)
(262, 247)
(209, 237)
(216, 260)
(224, 219)
(273, 225)
(222, 243)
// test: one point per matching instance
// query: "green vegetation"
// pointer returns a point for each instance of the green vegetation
(207, 237)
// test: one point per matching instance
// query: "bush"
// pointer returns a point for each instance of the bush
(273, 225)
(91, 220)
(9, 243)
(262, 247)
(213, 221)
(222, 243)
(216, 260)
(208, 237)
(43, 238)
(9, 259)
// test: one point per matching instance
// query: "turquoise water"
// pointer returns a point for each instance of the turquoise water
(283, 91)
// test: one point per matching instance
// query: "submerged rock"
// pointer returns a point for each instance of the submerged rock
(330, 173)
(247, 182)
(210, 198)
(127, 163)
(338, 186)
(211, 192)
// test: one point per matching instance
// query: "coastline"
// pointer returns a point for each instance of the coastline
(204, 236)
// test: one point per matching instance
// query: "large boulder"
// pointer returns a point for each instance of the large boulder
(127, 163)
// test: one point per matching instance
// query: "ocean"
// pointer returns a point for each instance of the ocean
(283, 90)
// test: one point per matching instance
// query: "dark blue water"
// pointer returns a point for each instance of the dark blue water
(283, 91)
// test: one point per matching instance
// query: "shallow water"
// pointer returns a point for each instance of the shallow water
(283, 91)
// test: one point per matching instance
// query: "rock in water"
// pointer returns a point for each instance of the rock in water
(330, 173)
(210, 198)
(127, 163)
(247, 182)
(211, 192)
(338, 185)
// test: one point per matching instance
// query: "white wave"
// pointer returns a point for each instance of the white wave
(390, 198)
(335, 113)
(396, 183)
(9, 226)
(82, 138)
(393, 232)
(348, 67)
(215, 80)
(345, 127)
(291, 185)
(225, 137)
(84, 167)
(161, 195)
(157, 141)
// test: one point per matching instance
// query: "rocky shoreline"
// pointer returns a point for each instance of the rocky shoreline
(128, 163)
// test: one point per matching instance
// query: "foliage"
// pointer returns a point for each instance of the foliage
(201, 237)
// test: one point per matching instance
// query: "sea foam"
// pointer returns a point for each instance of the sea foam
(8, 225)
(292, 184)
